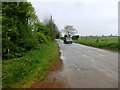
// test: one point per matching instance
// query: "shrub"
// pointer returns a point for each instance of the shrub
(41, 38)
(29, 44)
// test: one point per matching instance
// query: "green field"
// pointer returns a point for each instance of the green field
(109, 43)
(21, 72)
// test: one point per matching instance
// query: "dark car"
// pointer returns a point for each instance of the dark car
(68, 40)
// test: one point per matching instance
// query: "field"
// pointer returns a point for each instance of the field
(21, 72)
(109, 43)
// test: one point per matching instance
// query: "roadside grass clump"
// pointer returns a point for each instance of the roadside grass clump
(22, 72)
(109, 43)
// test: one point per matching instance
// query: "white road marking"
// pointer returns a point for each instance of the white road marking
(61, 51)
(100, 54)
(76, 67)
(63, 57)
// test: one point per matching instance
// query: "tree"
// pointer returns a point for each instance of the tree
(22, 31)
(65, 36)
(75, 37)
(53, 29)
(18, 19)
(69, 30)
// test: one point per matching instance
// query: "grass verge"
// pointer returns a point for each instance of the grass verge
(108, 43)
(22, 72)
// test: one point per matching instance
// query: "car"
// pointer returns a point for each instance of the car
(68, 40)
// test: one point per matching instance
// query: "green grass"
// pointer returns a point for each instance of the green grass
(22, 72)
(109, 43)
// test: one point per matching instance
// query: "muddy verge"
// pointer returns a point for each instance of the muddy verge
(54, 78)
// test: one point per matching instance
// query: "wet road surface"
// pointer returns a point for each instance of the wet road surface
(87, 67)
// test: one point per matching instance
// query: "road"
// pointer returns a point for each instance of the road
(88, 67)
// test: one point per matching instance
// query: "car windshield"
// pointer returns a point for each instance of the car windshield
(69, 39)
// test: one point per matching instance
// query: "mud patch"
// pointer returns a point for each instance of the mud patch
(48, 85)
(54, 78)
(57, 66)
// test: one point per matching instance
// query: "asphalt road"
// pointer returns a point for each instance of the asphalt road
(88, 67)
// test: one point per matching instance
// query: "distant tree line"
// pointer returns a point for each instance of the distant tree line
(22, 31)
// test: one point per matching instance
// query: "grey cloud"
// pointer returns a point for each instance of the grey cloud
(87, 17)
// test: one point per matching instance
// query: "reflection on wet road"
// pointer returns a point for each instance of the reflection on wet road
(87, 67)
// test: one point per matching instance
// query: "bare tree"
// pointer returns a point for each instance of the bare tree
(69, 30)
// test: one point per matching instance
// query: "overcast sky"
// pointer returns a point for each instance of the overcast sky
(89, 17)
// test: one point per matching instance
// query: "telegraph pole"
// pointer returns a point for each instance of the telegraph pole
(51, 25)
